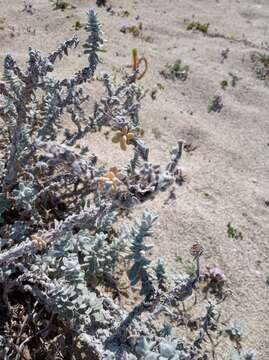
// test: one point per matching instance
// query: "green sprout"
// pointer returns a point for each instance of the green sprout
(124, 13)
(224, 84)
(233, 233)
(198, 26)
(175, 71)
(59, 4)
(78, 25)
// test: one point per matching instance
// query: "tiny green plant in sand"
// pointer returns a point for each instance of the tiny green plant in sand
(136, 31)
(178, 259)
(261, 66)
(175, 71)
(197, 26)
(216, 103)
(132, 29)
(59, 4)
(101, 3)
(78, 25)
(224, 84)
(124, 13)
(233, 233)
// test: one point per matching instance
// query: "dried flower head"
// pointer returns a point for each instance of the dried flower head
(196, 250)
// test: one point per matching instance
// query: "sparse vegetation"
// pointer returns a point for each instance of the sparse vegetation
(216, 104)
(224, 84)
(78, 279)
(133, 29)
(78, 25)
(101, 2)
(233, 233)
(60, 4)
(176, 71)
(124, 13)
(261, 66)
(136, 31)
(197, 26)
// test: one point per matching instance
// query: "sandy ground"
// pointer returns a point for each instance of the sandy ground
(228, 172)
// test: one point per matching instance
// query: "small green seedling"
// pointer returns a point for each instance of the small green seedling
(224, 84)
(101, 2)
(216, 103)
(233, 233)
(160, 86)
(203, 28)
(134, 30)
(59, 4)
(261, 65)
(78, 25)
(175, 71)
(124, 13)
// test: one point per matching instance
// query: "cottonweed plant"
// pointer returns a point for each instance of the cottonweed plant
(64, 256)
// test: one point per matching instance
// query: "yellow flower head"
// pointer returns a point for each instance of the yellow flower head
(110, 179)
(123, 136)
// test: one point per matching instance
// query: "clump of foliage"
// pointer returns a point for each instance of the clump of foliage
(101, 2)
(132, 29)
(224, 84)
(233, 233)
(124, 13)
(176, 71)
(136, 31)
(63, 253)
(78, 25)
(216, 103)
(261, 66)
(198, 27)
(59, 4)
